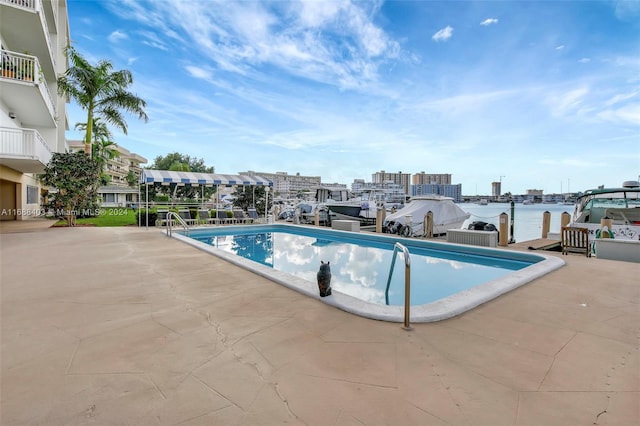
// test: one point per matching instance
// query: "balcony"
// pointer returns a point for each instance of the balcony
(24, 150)
(24, 90)
(24, 27)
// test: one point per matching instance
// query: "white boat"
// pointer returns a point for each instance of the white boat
(619, 205)
(446, 215)
(364, 207)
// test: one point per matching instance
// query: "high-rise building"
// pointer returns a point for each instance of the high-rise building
(453, 191)
(399, 178)
(496, 189)
(423, 178)
(33, 37)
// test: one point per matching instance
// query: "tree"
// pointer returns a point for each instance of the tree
(184, 163)
(132, 179)
(100, 91)
(104, 149)
(194, 164)
(252, 196)
(75, 177)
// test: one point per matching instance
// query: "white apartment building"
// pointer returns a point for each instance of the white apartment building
(126, 166)
(403, 179)
(33, 118)
(286, 185)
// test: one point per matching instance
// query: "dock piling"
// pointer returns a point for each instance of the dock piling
(546, 223)
(504, 234)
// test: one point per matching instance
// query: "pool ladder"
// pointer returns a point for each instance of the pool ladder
(407, 282)
(180, 221)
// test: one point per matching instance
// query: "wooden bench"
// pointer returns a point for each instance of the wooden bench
(575, 240)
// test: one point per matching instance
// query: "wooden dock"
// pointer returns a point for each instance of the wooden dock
(538, 244)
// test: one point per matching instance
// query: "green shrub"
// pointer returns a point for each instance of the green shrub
(141, 217)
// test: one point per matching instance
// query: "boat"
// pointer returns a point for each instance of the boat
(446, 215)
(359, 208)
(305, 211)
(617, 207)
(364, 207)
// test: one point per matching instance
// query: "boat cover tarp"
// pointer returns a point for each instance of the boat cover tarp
(445, 212)
(190, 178)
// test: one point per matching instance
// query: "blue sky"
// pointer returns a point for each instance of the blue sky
(542, 95)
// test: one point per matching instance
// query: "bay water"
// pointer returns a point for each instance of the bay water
(527, 218)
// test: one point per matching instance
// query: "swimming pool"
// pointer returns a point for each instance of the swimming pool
(446, 279)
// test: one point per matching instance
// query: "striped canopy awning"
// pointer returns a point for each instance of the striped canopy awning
(149, 176)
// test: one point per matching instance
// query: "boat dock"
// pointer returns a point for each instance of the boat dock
(538, 244)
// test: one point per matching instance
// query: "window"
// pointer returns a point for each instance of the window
(109, 198)
(32, 194)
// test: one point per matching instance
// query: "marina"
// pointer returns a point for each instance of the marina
(527, 219)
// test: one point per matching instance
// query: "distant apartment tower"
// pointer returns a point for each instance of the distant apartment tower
(423, 178)
(122, 170)
(358, 185)
(437, 184)
(403, 179)
(453, 191)
(496, 189)
(286, 185)
(535, 195)
(33, 38)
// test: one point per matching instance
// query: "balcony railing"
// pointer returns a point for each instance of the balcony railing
(26, 68)
(36, 6)
(29, 4)
(23, 144)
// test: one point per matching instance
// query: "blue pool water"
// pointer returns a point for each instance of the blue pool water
(360, 263)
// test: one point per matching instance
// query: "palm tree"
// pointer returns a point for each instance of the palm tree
(104, 149)
(101, 91)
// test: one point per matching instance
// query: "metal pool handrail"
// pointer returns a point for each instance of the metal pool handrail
(180, 221)
(407, 281)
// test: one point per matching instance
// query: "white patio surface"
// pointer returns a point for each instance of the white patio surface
(127, 326)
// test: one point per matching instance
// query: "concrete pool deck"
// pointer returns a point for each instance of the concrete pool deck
(123, 325)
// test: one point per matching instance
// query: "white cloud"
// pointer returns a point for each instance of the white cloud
(564, 103)
(489, 21)
(444, 34)
(561, 47)
(336, 43)
(627, 10)
(621, 98)
(199, 72)
(628, 114)
(116, 36)
(584, 60)
(152, 39)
